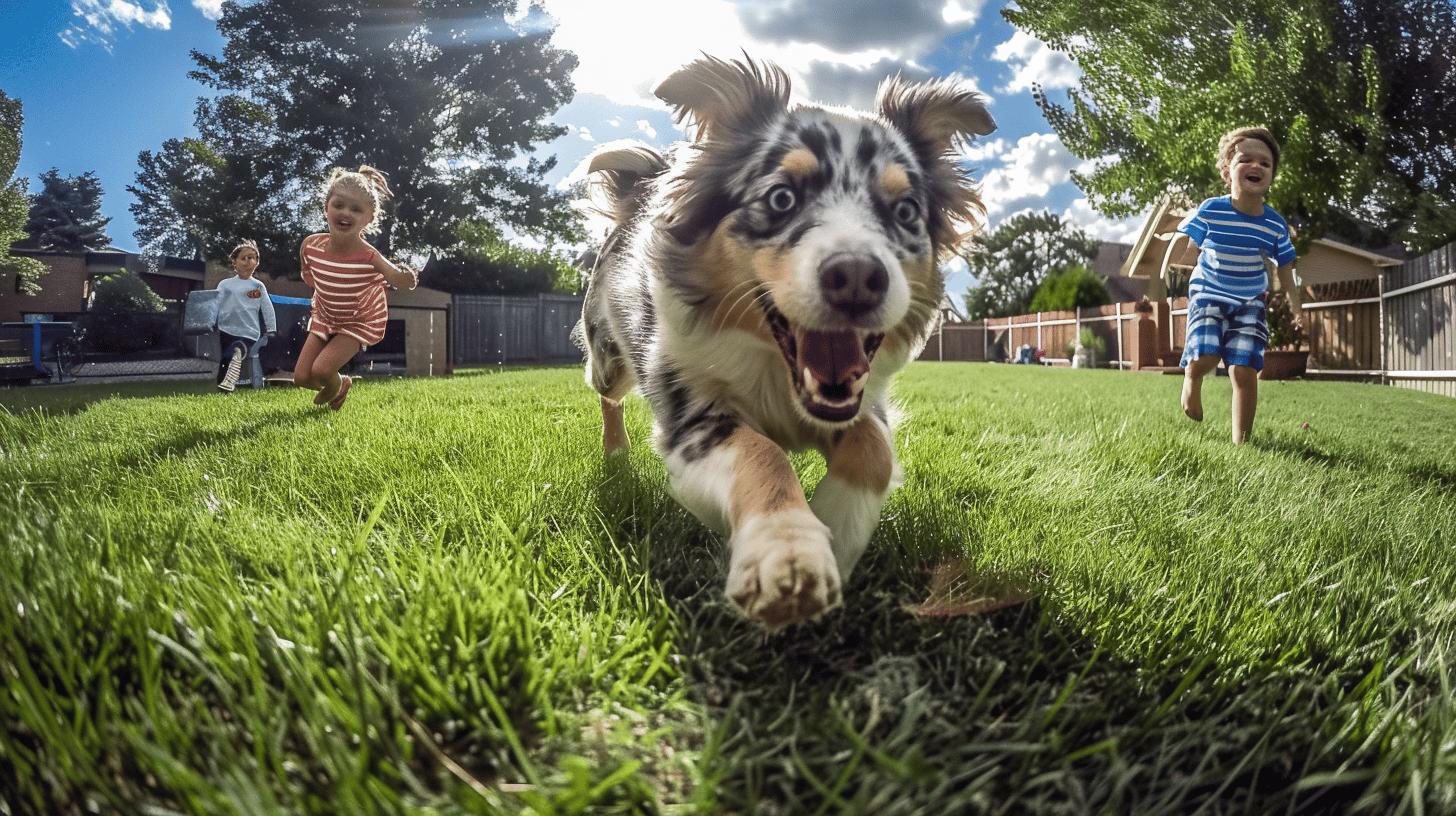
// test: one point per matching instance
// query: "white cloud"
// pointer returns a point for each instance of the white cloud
(211, 9)
(985, 151)
(1032, 61)
(1121, 230)
(99, 19)
(1029, 170)
(902, 27)
(585, 134)
(615, 121)
(624, 55)
(646, 128)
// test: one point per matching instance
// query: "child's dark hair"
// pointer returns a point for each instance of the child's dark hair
(246, 243)
(1230, 142)
(367, 180)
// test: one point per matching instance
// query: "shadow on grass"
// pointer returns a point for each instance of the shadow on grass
(874, 709)
(73, 398)
(1420, 473)
(181, 444)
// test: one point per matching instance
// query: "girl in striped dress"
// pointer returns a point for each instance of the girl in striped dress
(349, 278)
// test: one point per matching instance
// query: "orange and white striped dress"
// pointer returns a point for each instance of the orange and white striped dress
(348, 294)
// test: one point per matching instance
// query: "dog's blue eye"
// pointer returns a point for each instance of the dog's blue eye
(907, 212)
(781, 199)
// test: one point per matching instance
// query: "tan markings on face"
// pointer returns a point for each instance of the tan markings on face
(894, 181)
(726, 268)
(800, 163)
(763, 480)
(862, 458)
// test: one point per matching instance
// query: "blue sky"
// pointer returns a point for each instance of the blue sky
(102, 80)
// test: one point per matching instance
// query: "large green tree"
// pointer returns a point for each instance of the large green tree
(483, 262)
(65, 214)
(448, 97)
(14, 200)
(1010, 262)
(1360, 94)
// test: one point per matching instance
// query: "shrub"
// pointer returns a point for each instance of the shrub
(484, 263)
(1089, 340)
(127, 316)
(124, 293)
(1071, 288)
(1284, 332)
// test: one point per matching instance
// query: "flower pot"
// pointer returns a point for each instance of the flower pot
(1284, 365)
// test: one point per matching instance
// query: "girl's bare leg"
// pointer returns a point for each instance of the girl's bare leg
(303, 369)
(1246, 399)
(335, 355)
(1193, 385)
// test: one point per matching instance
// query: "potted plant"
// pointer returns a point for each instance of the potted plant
(1089, 347)
(1286, 356)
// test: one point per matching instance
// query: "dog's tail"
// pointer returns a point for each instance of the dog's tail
(621, 173)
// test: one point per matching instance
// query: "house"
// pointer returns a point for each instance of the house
(70, 277)
(1107, 264)
(1156, 258)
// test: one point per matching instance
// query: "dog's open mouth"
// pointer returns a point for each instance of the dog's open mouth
(829, 368)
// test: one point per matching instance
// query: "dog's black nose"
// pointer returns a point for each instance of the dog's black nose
(853, 284)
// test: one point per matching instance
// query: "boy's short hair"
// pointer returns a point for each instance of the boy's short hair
(1230, 142)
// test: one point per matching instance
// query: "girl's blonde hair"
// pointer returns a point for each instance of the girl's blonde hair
(367, 180)
(1230, 142)
(246, 243)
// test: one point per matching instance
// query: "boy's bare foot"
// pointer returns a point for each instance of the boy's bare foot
(323, 396)
(1193, 399)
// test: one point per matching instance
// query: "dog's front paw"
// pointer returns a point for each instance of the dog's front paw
(782, 569)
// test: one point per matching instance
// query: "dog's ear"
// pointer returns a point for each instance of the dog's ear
(933, 115)
(719, 95)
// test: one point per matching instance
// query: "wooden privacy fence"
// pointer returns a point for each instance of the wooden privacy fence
(998, 338)
(489, 329)
(1397, 328)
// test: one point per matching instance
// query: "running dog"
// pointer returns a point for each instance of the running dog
(760, 286)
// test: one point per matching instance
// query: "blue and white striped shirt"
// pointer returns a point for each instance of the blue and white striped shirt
(1233, 248)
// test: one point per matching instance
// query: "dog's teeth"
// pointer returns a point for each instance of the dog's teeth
(808, 376)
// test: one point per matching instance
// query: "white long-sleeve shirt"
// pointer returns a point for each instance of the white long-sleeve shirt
(238, 309)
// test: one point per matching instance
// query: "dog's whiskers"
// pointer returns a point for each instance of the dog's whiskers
(750, 290)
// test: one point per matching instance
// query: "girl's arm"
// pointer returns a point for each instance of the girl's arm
(401, 276)
(303, 263)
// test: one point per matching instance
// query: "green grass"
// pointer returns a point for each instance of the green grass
(441, 601)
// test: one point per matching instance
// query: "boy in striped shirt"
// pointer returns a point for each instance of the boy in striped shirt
(1236, 235)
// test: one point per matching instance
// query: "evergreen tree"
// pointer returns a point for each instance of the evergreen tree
(65, 214)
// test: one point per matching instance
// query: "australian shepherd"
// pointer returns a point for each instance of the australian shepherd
(760, 286)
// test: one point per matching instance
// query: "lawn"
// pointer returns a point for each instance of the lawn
(439, 600)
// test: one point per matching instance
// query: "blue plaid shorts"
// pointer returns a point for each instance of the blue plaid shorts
(1238, 334)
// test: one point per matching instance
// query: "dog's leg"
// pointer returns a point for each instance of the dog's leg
(614, 428)
(781, 568)
(862, 472)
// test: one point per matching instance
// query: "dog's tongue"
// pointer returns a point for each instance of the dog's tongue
(833, 357)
